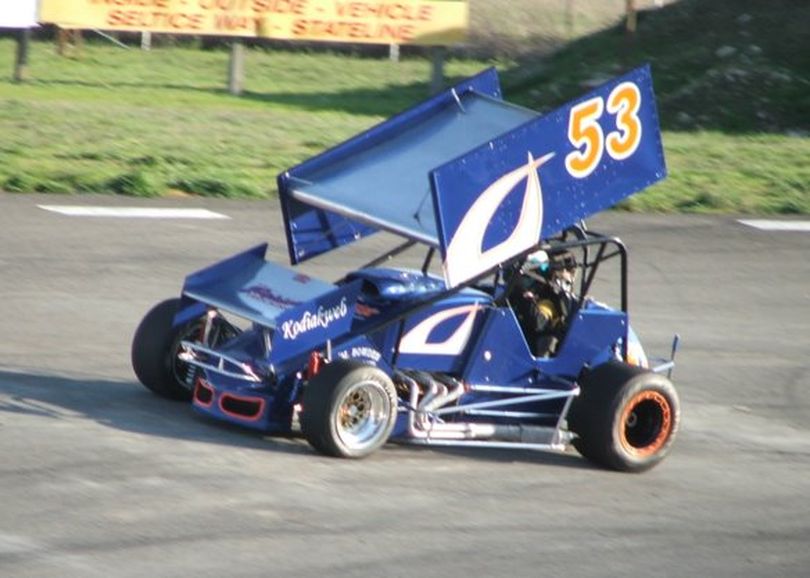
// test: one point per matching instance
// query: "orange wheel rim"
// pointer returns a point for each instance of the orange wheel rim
(646, 424)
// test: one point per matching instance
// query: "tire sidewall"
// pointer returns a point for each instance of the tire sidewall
(596, 416)
(154, 347)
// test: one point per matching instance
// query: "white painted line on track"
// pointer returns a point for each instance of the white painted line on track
(133, 212)
(771, 225)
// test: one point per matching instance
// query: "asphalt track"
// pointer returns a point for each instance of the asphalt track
(100, 478)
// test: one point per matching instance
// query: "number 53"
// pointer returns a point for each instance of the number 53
(585, 132)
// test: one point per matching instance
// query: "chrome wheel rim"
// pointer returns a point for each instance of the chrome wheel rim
(362, 416)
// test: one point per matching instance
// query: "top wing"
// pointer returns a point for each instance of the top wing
(481, 179)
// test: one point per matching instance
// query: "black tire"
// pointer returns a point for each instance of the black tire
(348, 409)
(625, 417)
(154, 352)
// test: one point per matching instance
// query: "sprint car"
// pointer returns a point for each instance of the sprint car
(495, 341)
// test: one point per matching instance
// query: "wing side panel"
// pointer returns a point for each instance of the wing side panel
(503, 197)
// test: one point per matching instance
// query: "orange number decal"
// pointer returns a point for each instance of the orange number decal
(624, 101)
(584, 131)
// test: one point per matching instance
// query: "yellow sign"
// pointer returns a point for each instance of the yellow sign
(361, 21)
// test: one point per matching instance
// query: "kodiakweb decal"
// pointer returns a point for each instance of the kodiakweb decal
(320, 319)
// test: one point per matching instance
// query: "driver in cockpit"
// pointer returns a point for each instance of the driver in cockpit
(543, 298)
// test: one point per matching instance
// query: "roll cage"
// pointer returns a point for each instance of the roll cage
(596, 249)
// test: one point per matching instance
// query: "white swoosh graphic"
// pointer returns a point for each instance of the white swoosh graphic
(416, 340)
(464, 258)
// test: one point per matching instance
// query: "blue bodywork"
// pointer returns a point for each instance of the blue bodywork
(482, 182)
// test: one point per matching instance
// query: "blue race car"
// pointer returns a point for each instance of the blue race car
(497, 344)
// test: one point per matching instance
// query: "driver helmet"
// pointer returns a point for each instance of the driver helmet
(537, 260)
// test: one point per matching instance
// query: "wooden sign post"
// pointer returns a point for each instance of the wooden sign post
(236, 68)
(21, 59)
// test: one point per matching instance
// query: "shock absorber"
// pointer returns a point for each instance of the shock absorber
(204, 338)
(191, 373)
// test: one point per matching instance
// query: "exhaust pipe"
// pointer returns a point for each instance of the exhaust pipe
(438, 395)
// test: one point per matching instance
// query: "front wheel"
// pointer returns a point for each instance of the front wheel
(625, 418)
(348, 409)
(154, 352)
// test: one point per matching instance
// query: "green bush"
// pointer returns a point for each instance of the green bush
(20, 183)
(134, 184)
(57, 186)
(211, 187)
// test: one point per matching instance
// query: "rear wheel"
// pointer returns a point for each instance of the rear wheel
(348, 409)
(625, 418)
(154, 352)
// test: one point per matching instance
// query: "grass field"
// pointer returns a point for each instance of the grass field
(153, 123)
(147, 123)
